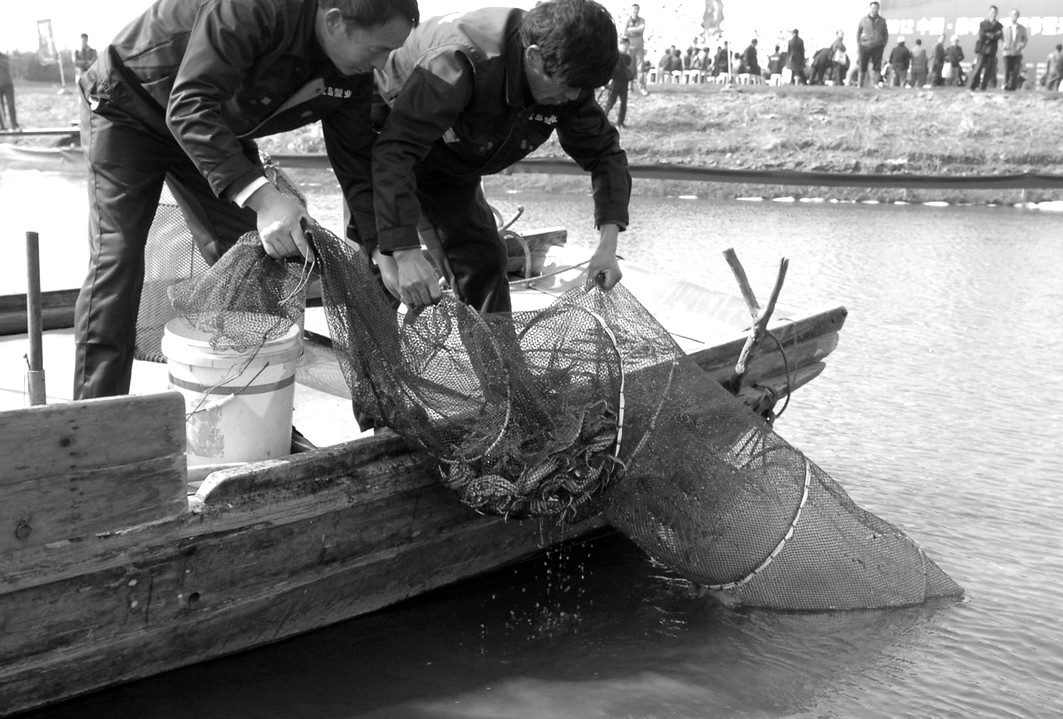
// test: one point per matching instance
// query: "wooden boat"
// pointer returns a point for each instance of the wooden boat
(113, 566)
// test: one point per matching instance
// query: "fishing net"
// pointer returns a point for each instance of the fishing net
(587, 406)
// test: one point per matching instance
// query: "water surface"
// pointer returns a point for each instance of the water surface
(939, 411)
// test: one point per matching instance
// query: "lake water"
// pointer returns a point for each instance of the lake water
(939, 411)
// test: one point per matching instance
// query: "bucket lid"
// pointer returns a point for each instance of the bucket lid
(184, 343)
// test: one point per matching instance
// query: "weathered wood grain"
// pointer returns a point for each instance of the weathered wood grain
(71, 470)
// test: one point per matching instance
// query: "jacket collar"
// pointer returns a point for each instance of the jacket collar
(517, 92)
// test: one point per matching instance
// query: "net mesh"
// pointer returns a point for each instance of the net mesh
(588, 406)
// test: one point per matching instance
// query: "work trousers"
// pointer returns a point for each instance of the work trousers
(7, 99)
(455, 208)
(130, 153)
(985, 70)
(1012, 71)
(869, 56)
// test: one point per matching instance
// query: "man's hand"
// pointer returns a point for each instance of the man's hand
(389, 271)
(418, 282)
(603, 267)
(280, 223)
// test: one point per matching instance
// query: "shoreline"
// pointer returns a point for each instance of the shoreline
(891, 131)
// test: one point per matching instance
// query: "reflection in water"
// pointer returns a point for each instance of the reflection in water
(938, 411)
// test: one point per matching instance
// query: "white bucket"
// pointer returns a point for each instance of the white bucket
(238, 405)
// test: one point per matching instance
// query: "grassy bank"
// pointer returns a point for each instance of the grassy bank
(941, 131)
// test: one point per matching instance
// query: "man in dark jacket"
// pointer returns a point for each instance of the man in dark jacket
(471, 94)
(749, 57)
(990, 33)
(937, 63)
(871, 38)
(177, 96)
(900, 59)
(622, 77)
(795, 54)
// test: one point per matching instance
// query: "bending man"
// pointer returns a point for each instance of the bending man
(177, 97)
(470, 95)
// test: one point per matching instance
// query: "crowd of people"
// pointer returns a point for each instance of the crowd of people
(865, 64)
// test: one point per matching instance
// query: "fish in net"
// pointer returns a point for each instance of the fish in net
(588, 406)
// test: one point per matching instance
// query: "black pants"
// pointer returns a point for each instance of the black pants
(1012, 71)
(7, 97)
(985, 69)
(457, 210)
(872, 56)
(130, 153)
(617, 90)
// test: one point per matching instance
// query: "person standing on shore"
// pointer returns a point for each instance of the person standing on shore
(1054, 73)
(954, 58)
(871, 38)
(7, 94)
(622, 76)
(635, 31)
(84, 56)
(176, 98)
(469, 95)
(937, 65)
(920, 67)
(749, 57)
(795, 58)
(1015, 39)
(839, 59)
(990, 33)
(900, 59)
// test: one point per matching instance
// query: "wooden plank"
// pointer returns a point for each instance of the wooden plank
(70, 470)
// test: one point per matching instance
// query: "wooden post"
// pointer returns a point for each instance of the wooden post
(35, 359)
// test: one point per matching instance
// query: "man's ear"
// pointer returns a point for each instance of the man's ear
(333, 19)
(533, 57)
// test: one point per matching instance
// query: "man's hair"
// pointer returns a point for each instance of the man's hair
(372, 13)
(84, 36)
(873, 3)
(994, 7)
(577, 39)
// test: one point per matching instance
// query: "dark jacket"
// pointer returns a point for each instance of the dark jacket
(901, 57)
(5, 70)
(795, 51)
(872, 32)
(990, 33)
(749, 57)
(242, 69)
(625, 69)
(465, 111)
(939, 55)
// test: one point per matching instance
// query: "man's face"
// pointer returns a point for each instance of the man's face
(544, 88)
(355, 49)
(1014, 16)
(873, 9)
(634, 11)
(992, 13)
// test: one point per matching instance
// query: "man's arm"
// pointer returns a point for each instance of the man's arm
(349, 137)
(223, 45)
(433, 93)
(588, 138)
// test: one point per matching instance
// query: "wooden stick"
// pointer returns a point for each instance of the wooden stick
(762, 320)
(743, 281)
(35, 359)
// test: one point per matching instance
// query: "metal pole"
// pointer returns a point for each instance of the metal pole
(35, 359)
